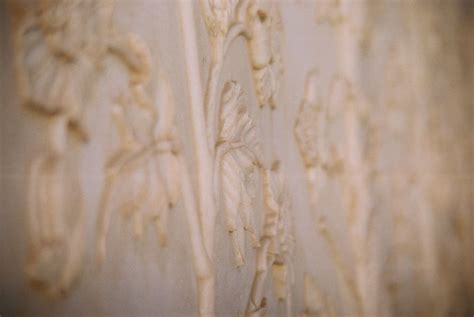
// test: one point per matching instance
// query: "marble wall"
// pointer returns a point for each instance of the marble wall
(239, 157)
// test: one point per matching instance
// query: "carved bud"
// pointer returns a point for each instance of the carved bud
(260, 41)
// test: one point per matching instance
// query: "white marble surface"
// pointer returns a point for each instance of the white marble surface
(143, 278)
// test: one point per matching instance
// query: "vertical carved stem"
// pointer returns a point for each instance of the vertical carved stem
(204, 159)
(257, 302)
(202, 263)
(212, 110)
(219, 50)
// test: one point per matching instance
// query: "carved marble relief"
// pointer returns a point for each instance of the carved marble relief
(56, 56)
(143, 174)
(263, 37)
(61, 48)
(276, 244)
(144, 170)
(343, 109)
(234, 156)
(238, 159)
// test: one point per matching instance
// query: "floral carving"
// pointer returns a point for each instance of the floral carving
(226, 148)
(263, 31)
(57, 45)
(322, 150)
(238, 157)
(219, 15)
(276, 243)
(145, 169)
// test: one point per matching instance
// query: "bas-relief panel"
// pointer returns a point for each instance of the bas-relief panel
(229, 176)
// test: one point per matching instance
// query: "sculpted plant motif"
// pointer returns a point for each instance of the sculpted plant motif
(57, 47)
(223, 21)
(311, 128)
(144, 170)
(260, 23)
(238, 158)
(224, 141)
(263, 28)
(219, 16)
(276, 243)
(346, 112)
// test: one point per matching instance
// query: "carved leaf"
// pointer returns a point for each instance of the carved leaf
(238, 156)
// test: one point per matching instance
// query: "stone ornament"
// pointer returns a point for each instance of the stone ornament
(344, 108)
(226, 130)
(56, 56)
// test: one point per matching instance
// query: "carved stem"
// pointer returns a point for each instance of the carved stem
(204, 159)
(219, 50)
(104, 217)
(202, 263)
(211, 103)
(256, 303)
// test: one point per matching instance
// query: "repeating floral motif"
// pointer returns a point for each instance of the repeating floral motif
(325, 152)
(60, 50)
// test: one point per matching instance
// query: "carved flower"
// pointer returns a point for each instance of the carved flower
(57, 44)
(219, 15)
